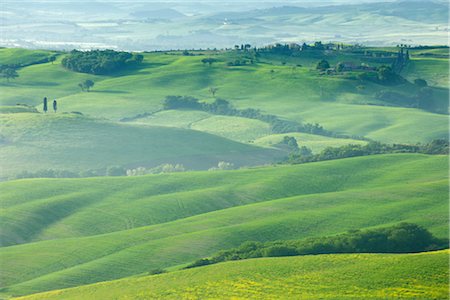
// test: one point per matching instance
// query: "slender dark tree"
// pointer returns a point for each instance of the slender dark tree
(45, 104)
(213, 91)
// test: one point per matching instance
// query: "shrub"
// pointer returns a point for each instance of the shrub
(323, 65)
(420, 82)
(156, 271)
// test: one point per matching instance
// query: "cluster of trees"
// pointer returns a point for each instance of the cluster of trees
(423, 99)
(243, 47)
(439, 146)
(49, 173)
(292, 146)
(209, 61)
(86, 85)
(323, 65)
(100, 61)
(240, 62)
(401, 60)
(8, 73)
(293, 48)
(384, 75)
(401, 238)
(223, 107)
(164, 168)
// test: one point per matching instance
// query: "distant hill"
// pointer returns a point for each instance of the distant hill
(165, 13)
(422, 11)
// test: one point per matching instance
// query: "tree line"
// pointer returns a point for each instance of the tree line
(300, 155)
(401, 238)
(100, 62)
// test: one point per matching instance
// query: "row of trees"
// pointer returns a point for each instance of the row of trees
(438, 146)
(100, 61)
(117, 171)
(401, 238)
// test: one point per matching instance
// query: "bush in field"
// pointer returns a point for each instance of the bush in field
(86, 85)
(209, 61)
(156, 271)
(420, 82)
(323, 65)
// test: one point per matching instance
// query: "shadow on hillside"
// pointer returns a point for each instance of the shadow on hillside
(137, 69)
(110, 92)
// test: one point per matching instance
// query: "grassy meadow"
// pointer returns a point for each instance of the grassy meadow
(100, 237)
(339, 276)
(293, 92)
(119, 229)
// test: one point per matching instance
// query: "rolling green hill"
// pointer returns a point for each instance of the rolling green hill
(342, 276)
(23, 57)
(35, 141)
(298, 93)
(109, 228)
(239, 129)
(62, 233)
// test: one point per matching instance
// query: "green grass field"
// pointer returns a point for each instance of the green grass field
(73, 232)
(36, 141)
(17, 56)
(300, 94)
(109, 228)
(342, 276)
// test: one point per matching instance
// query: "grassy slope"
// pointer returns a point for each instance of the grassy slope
(349, 276)
(291, 94)
(306, 200)
(17, 56)
(69, 141)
